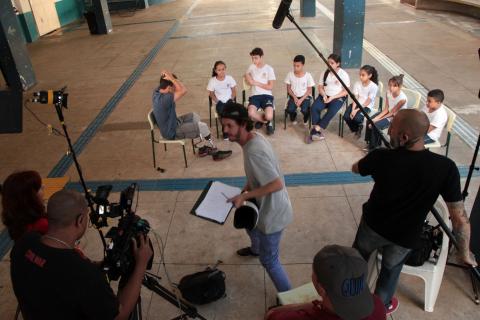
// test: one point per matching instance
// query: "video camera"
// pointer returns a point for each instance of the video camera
(51, 97)
(119, 260)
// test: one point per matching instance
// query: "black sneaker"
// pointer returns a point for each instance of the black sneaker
(270, 130)
(258, 125)
(358, 133)
(245, 252)
(206, 151)
(220, 155)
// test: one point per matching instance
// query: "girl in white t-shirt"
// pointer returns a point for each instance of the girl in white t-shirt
(396, 100)
(365, 91)
(331, 96)
(221, 87)
(299, 88)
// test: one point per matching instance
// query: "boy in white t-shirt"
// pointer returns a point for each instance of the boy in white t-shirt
(260, 77)
(437, 115)
(299, 88)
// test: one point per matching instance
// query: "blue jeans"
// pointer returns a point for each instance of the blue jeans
(354, 124)
(267, 246)
(304, 108)
(332, 109)
(372, 136)
(393, 258)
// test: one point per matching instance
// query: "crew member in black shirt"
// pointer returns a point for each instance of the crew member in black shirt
(53, 280)
(408, 180)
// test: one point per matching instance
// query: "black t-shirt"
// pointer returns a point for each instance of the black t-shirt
(407, 184)
(53, 283)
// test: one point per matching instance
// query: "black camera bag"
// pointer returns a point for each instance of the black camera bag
(203, 287)
(430, 240)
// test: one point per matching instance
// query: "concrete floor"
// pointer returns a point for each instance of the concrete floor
(437, 49)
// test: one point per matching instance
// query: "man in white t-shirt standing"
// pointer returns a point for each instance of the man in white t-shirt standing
(436, 113)
(299, 88)
(260, 77)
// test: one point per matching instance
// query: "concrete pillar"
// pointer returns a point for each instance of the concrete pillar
(307, 8)
(348, 31)
(102, 16)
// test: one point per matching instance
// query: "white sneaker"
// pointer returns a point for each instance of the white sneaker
(294, 122)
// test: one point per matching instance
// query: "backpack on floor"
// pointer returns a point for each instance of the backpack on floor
(204, 286)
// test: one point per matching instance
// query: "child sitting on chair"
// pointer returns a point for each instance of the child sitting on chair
(365, 91)
(436, 113)
(261, 77)
(331, 96)
(396, 100)
(299, 89)
(221, 88)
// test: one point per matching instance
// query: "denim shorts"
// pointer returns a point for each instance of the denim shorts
(261, 101)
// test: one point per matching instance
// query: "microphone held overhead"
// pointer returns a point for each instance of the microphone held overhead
(282, 12)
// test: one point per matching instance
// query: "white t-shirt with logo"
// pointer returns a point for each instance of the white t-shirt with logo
(262, 75)
(299, 85)
(365, 92)
(333, 86)
(438, 119)
(392, 102)
(222, 88)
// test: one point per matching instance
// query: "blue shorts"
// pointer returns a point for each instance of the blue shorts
(261, 101)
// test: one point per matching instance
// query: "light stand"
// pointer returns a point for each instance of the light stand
(59, 103)
(474, 273)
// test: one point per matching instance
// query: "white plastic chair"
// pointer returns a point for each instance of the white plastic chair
(431, 273)
(451, 120)
(153, 124)
(413, 97)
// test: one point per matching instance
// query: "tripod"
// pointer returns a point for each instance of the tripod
(474, 273)
(150, 281)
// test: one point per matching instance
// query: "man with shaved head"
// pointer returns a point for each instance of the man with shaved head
(52, 279)
(408, 180)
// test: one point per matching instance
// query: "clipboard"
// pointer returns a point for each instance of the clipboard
(209, 197)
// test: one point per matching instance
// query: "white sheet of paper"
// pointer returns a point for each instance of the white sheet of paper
(215, 206)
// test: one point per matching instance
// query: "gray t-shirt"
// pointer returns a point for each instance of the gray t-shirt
(165, 114)
(261, 167)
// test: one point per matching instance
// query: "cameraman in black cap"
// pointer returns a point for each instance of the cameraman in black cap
(53, 280)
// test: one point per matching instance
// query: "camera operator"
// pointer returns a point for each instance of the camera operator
(53, 280)
(408, 181)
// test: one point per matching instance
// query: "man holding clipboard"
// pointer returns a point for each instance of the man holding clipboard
(265, 184)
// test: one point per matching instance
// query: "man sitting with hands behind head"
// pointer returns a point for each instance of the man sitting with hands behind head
(53, 280)
(187, 126)
(408, 180)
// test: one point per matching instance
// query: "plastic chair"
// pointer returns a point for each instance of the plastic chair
(312, 98)
(451, 120)
(378, 106)
(247, 87)
(211, 108)
(430, 272)
(413, 97)
(153, 124)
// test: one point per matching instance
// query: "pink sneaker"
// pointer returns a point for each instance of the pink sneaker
(393, 306)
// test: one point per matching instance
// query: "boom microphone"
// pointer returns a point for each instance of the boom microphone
(282, 12)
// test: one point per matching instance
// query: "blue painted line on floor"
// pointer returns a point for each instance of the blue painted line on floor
(291, 180)
(62, 166)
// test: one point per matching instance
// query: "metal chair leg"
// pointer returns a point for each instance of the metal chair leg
(153, 149)
(216, 125)
(447, 144)
(185, 156)
(165, 146)
(285, 120)
(193, 146)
